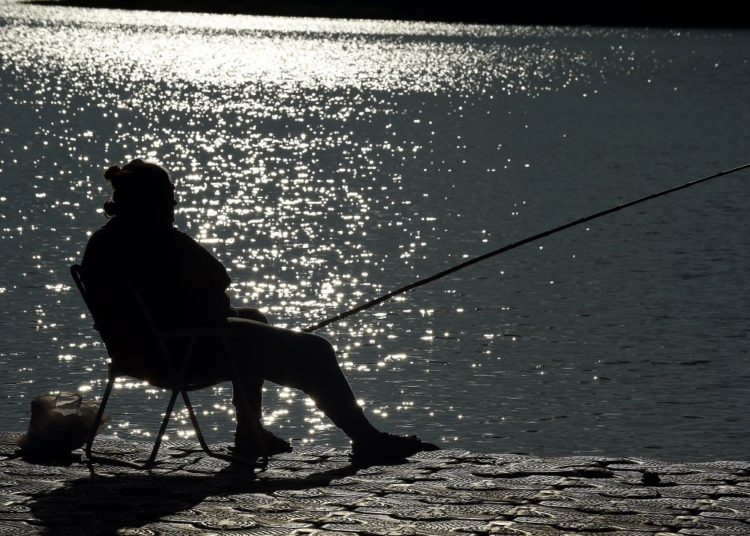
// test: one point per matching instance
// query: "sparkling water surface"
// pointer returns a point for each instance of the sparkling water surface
(327, 162)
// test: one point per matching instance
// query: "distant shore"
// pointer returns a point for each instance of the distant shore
(467, 11)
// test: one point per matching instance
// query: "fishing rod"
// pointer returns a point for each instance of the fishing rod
(514, 245)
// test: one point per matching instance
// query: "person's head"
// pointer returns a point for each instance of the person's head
(141, 192)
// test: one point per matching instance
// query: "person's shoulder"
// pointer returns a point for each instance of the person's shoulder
(178, 235)
(99, 245)
(102, 232)
(185, 242)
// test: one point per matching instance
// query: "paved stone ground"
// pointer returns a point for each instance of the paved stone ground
(316, 491)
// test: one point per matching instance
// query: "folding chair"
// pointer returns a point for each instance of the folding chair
(139, 350)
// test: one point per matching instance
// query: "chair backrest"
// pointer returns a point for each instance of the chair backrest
(133, 342)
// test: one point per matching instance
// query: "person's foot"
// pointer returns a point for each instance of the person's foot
(385, 447)
(245, 446)
(274, 444)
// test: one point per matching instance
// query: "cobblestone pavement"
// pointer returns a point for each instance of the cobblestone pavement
(316, 491)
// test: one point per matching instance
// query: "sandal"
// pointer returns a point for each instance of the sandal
(385, 447)
(273, 443)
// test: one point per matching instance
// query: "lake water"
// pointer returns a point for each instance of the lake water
(328, 162)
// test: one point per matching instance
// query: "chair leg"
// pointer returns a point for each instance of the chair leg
(257, 438)
(162, 429)
(194, 420)
(92, 458)
(176, 390)
(207, 449)
(99, 415)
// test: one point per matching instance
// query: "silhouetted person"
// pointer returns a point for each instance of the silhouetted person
(183, 285)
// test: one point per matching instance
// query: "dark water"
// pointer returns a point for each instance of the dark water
(328, 162)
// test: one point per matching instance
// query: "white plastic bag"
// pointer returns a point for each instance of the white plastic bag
(60, 423)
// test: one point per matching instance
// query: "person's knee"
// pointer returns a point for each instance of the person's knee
(251, 313)
(321, 347)
(260, 317)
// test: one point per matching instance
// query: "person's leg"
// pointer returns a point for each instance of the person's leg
(253, 387)
(301, 361)
(308, 362)
(253, 384)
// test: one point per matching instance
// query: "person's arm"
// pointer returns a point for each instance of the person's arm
(206, 279)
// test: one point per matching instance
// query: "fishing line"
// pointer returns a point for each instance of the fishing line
(514, 245)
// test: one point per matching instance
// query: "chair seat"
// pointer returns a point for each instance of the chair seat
(137, 349)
